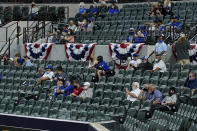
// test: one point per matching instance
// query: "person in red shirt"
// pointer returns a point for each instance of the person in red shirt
(77, 89)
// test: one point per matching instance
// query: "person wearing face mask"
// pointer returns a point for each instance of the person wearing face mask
(133, 64)
(113, 9)
(169, 102)
(161, 48)
(87, 91)
(94, 9)
(48, 75)
(131, 35)
(191, 82)
(159, 65)
(77, 89)
(60, 86)
(82, 9)
(145, 65)
(154, 95)
(70, 36)
(133, 95)
(143, 93)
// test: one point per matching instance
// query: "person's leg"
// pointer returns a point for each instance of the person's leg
(181, 63)
(99, 72)
(186, 61)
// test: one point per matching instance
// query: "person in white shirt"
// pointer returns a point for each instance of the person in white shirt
(87, 91)
(133, 95)
(72, 26)
(33, 12)
(135, 62)
(159, 65)
(48, 75)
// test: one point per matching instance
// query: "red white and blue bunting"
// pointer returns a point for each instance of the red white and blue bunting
(124, 50)
(37, 50)
(79, 52)
(192, 53)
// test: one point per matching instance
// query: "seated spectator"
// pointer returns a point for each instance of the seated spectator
(191, 82)
(101, 66)
(161, 48)
(70, 36)
(113, 9)
(5, 59)
(65, 30)
(72, 26)
(18, 60)
(159, 65)
(169, 102)
(145, 65)
(70, 88)
(94, 9)
(56, 37)
(140, 36)
(49, 37)
(92, 61)
(90, 25)
(77, 89)
(167, 8)
(33, 12)
(154, 95)
(175, 24)
(48, 75)
(27, 62)
(155, 10)
(143, 93)
(60, 86)
(87, 91)
(133, 64)
(60, 75)
(103, 9)
(131, 35)
(133, 95)
(82, 9)
(41, 72)
(181, 48)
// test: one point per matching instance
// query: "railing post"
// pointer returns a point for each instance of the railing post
(6, 34)
(9, 47)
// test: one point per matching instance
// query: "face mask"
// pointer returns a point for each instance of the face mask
(190, 79)
(85, 87)
(131, 33)
(145, 90)
(160, 41)
(156, 60)
(75, 86)
(68, 33)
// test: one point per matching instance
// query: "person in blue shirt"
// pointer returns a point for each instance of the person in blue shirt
(175, 24)
(113, 9)
(131, 35)
(94, 9)
(60, 86)
(161, 48)
(101, 66)
(18, 61)
(140, 36)
(82, 9)
(27, 62)
(191, 82)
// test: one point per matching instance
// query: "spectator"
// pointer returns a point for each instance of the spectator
(161, 48)
(82, 9)
(140, 36)
(154, 95)
(60, 86)
(5, 59)
(131, 35)
(191, 82)
(145, 65)
(41, 72)
(60, 75)
(56, 37)
(143, 96)
(33, 12)
(159, 65)
(94, 9)
(77, 89)
(182, 47)
(92, 61)
(101, 66)
(27, 62)
(87, 91)
(103, 9)
(65, 30)
(175, 24)
(167, 8)
(113, 9)
(155, 10)
(69, 89)
(72, 26)
(169, 102)
(70, 36)
(133, 95)
(18, 60)
(133, 64)
(49, 37)
(48, 75)
(90, 25)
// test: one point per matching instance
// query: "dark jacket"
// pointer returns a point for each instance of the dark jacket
(182, 50)
(145, 66)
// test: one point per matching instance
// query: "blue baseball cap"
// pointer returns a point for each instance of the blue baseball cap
(143, 58)
(135, 55)
(176, 17)
(49, 67)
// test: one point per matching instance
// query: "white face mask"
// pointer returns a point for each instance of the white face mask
(156, 60)
(85, 87)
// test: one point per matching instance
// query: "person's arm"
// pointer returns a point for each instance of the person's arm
(131, 94)
(174, 99)
(157, 99)
(140, 95)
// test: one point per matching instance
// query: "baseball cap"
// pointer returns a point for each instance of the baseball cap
(175, 17)
(135, 55)
(143, 58)
(48, 67)
(131, 29)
